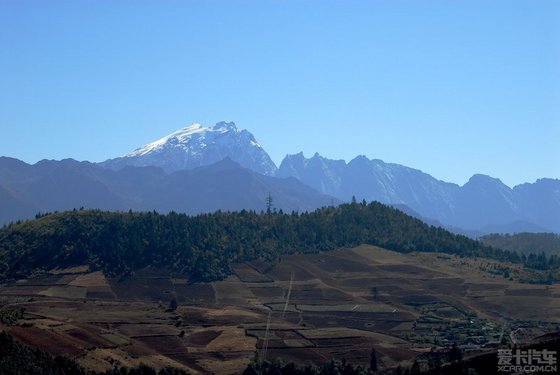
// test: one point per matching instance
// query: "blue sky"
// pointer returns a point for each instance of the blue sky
(449, 87)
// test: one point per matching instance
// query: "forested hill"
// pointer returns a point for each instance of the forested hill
(203, 247)
(525, 243)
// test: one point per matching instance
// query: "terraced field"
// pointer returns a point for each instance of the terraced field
(307, 307)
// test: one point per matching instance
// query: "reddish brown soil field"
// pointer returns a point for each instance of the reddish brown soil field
(201, 339)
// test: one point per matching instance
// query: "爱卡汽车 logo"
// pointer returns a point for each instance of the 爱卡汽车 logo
(530, 360)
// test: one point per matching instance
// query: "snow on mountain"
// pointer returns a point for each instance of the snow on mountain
(181, 136)
(195, 145)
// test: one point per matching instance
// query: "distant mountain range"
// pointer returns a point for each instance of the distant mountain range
(483, 204)
(201, 169)
(64, 185)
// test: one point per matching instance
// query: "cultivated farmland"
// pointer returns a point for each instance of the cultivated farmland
(305, 308)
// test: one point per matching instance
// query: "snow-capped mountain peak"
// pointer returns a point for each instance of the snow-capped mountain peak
(196, 145)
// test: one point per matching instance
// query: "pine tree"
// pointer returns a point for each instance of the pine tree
(269, 204)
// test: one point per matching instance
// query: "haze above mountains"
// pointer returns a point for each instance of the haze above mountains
(202, 169)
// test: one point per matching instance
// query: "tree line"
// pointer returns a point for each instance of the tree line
(525, 242)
